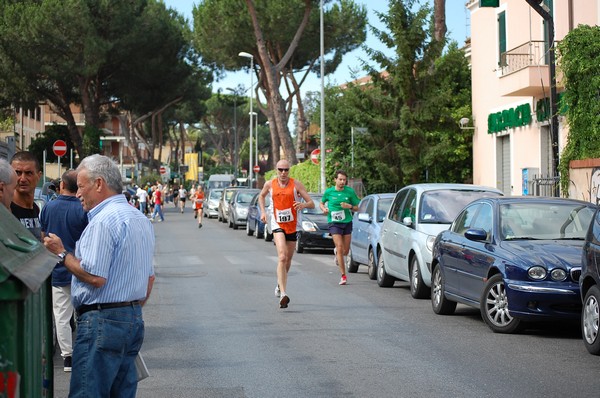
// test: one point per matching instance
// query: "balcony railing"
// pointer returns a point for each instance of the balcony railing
(532, 53)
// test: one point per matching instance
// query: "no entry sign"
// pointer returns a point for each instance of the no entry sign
(59, 148)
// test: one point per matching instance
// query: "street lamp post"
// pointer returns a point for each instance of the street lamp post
(235, 134)
(255, 115)
(248, 55)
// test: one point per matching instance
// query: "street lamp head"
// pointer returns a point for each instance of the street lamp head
(463, 122)
(245, 55)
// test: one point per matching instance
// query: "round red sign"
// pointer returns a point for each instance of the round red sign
(256, 168)
(314, 156)
(163, 170)
(59, 148)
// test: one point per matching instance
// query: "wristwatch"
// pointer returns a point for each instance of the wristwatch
(61, 256)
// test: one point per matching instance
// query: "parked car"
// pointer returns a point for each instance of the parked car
(516, 259)
(314, 232)
(589, 284)
(254, 226)
(366, 231)
(420, 212)
(211, 203)
(223, 209)
(238, 207)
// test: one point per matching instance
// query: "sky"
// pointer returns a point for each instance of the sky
(457, 21)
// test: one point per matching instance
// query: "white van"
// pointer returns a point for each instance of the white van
(220, 181)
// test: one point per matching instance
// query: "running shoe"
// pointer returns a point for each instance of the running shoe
(277, 291)
(284, 301)
(343, 281)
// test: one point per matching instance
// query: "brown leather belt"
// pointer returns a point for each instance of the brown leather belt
(99, 307)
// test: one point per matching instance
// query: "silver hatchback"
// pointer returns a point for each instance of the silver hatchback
(418, 214)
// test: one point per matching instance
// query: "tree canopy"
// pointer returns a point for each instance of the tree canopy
(410, 110)
(283, 38)
(135, 54)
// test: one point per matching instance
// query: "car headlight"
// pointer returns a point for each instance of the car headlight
(429, 243)
(558, 274)
(243, 211)
(537, 273)
(309, 226)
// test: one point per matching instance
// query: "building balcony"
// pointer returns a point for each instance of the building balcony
(525, 71)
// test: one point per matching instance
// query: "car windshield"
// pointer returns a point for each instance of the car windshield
(546, 221)
(228, 195)
(215, 194)
(442, 206)
(317, 209)
(245, 197)
(382, 208)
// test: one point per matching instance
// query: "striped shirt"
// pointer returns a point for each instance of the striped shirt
(118, 245)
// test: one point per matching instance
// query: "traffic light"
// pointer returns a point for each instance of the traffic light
(489, 3)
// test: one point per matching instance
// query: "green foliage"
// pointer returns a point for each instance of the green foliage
(149, 179)
(7, 120)
(91, 140)
(580, 64)
(306, 172)
(410, 114)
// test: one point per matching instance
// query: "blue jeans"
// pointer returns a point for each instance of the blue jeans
(158, 209)
(106, 345)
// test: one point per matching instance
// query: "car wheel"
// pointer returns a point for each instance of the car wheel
(383, 279)
(590, 320)
(299, 246)
(249, 232)
(440, 304)
(372, 266)
(234, 225)
(418, 289)
(494, 307)
(219, 218)
(351, 265)
(257, 231)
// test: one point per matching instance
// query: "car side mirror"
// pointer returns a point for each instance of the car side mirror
(407, 221)
(365, 217)
(476, 234)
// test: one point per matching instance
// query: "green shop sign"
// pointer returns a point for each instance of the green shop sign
(542, 108)
(509, 118)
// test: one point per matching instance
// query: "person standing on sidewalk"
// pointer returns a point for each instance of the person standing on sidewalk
(8, 183)
(113, 278)
(338, 202)
(142, 195)
(285, 222)
(23, 205)
(65, 218)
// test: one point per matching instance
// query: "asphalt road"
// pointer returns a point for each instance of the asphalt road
(214, 329)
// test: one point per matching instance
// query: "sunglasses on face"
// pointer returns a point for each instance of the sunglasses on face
(282, 170)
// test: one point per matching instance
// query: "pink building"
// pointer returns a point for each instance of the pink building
(512, 140)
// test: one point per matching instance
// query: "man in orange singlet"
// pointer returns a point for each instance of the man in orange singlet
(285, 201)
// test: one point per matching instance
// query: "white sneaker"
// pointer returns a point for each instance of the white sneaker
(284, 301)
(277, 291)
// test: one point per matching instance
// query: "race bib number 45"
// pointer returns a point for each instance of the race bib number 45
(338, 215)
(284, 215)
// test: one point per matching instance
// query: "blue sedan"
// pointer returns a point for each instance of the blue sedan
(254, 226)
(366, 230)
(516, 259)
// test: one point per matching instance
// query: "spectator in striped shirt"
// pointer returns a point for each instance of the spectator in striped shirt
(112, 265)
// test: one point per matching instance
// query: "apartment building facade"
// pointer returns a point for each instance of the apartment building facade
(513, 142)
